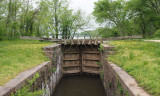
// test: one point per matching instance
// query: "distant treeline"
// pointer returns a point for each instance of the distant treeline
(46, 18)
(128, 17)
(43, 18)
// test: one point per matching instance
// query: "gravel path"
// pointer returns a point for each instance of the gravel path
(153, 40)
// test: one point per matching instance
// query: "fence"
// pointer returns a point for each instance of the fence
(123, 38)
(84, 37)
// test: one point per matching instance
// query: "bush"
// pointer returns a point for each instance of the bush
(0, 38)
(157, 34)
(108, 32)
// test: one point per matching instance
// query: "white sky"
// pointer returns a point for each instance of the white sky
(86, 5)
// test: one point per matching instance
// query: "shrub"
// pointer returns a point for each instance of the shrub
(157, 34)
(108, 32)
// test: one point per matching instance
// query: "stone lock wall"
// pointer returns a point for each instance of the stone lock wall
(115, 80)
(53, 52)
(49, 74)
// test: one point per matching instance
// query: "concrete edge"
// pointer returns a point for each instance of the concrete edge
(49, 50)
(107, 47)
(52, 46)
(128, 82)
(18, 82)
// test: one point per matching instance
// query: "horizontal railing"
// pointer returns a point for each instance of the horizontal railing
(78, 37)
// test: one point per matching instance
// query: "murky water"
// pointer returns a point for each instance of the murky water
(80, 86)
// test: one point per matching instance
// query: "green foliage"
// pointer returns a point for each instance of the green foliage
(101, 74)
(131, 17)
(157, 34)
(141, 60)
(110, 84)
(98, 63)
(65, 69)
(25, 91)
(108, 32)
(112, 13)
(49, 18)
(71, 22)
(101, 48)
(121, 91)
(54, 69)
(131, 56)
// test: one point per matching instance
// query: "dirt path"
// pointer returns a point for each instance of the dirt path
(153, 40)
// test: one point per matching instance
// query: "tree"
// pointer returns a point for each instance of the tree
(49, 17)
(145, 14)
(66, 22)
(111, 11)
(80, 21)
(2, 18)
(129, 17)
(56, 9)
(71, 22)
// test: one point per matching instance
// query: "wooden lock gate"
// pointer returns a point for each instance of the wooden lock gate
(81, 58)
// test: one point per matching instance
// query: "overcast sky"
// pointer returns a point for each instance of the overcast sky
(86, 5)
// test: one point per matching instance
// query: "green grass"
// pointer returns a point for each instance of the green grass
(17, 56)
(141, 60)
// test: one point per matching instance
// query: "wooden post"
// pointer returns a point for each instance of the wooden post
(89, 43)
(78, 42)
(84, 40)
(96, 40)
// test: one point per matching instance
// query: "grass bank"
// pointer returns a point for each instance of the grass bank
(19, 55)
(141, 60)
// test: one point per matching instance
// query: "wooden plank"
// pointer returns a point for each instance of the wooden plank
(92, 52)
(71, 72)
(93, 72)
(71, 52)
(90, 65)
(75, 65)
(70, 59)
(92, 59)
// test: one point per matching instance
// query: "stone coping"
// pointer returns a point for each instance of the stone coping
(52, 46)
(107, 47)
(128, 82)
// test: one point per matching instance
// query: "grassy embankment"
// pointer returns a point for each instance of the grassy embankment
(141, 60)
(19, 55)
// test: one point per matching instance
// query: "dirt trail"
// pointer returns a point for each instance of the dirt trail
(153, 40)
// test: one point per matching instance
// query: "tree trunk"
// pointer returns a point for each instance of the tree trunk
(56, 18)
(143, 25)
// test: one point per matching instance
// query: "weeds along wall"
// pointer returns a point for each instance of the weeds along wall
(40, 80)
